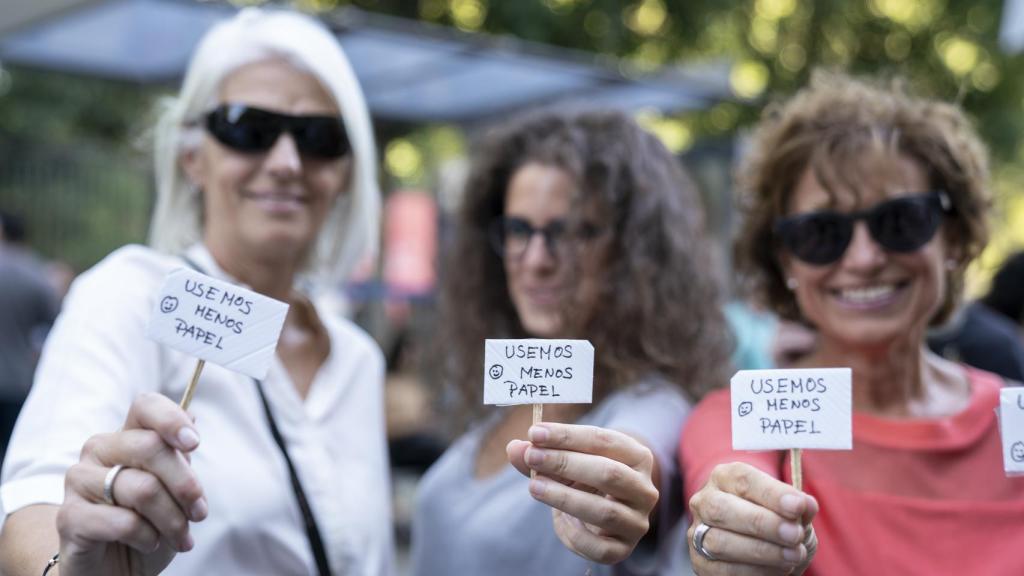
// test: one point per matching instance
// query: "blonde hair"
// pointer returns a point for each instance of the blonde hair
(350, 232)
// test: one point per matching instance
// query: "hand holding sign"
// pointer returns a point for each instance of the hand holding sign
(218, 322)
(597, 481)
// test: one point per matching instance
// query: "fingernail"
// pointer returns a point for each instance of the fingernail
(187, 438)
(534, 456)
(790, 504)
(187, 543)
(538, 434)
(198, 510)
(790, 532)
(794, 555)
(538, 486)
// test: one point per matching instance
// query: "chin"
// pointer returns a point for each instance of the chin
(542, 327)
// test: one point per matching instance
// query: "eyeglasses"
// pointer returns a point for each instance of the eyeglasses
(510, 236)
(248, 129)
(902, 224)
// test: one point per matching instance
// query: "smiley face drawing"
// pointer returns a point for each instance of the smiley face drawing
(1017, 451)
(495, 371)
(168, 304)
(745, 408)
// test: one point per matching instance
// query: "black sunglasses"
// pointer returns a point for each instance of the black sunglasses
(248, 129)
(511, 236)
(902, 224)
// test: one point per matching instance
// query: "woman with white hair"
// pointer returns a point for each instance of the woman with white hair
(266, 178)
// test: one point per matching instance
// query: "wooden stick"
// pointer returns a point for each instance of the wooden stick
(538, 417)
(186, 399)
(796, 469)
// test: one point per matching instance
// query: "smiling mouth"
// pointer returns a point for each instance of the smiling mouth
(278, 203)
(869, 296)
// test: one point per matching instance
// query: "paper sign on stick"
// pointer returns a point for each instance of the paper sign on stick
(535, 371)
(217, 321)
(1011, 428)
(793, 408)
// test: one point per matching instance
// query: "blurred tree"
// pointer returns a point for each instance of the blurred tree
(945, 48)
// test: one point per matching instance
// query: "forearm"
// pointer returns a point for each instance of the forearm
(28, 541)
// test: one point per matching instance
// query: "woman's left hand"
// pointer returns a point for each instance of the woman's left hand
(598, 483)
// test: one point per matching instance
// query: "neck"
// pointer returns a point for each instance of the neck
(270, 275)
(900, 380)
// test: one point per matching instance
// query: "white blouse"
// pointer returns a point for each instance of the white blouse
(97, 360)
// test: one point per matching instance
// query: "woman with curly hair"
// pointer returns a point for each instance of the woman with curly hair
(574, 224)
(864, 205)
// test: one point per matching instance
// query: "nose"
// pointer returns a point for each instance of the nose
(283, 160)
(538, 253)
(863, 253)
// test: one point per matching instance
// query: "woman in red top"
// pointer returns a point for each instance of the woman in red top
(864, 205)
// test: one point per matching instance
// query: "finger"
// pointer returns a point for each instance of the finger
(730, 512)
(145, 494)
(83, 524)
(515, 451)
(758, 487)
(578, 538)
(144, 450)
(608, 515)
(606, 475)
(729, 546)
(162, 415)
(593, 440)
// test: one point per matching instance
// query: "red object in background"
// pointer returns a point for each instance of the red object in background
(410, 243)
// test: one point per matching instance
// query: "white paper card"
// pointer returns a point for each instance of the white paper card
(217, 321)
(535, 371)
(793, 408)
(1011, 427)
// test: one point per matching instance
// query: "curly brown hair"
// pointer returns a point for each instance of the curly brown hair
(828, 127)
(659, 305)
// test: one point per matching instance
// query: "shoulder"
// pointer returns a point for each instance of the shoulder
(126, 279)
(131, 268)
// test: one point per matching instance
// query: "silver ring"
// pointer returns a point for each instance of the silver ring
(108, 484)
(698, 541)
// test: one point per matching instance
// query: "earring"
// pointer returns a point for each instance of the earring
(791, 283)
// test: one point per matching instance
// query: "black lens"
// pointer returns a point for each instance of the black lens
(321, 136)
(905, 224)
(244, 129)
(816, 238)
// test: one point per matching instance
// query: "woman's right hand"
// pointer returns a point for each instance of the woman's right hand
(758, 524)
(156, 495)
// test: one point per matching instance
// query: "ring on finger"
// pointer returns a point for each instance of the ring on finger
(698, 542)
(108, 484)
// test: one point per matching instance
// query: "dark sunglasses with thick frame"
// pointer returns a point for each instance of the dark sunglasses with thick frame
(250, 130)
(510, 236)
(902, 224)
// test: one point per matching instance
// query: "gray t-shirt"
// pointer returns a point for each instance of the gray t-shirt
(466, 526)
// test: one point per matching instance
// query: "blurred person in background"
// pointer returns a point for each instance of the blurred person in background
(1006, 295)
(575, 224)
(266, 177)
(28, 307)
(863, 207)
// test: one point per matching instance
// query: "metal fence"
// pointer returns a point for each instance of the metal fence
(78, 202)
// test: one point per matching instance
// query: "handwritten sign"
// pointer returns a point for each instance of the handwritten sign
(1011, 427)
(798, 408)
(535, 371)
(217, 321)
